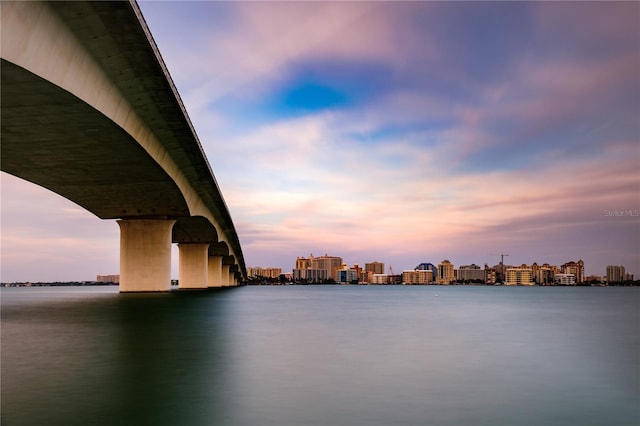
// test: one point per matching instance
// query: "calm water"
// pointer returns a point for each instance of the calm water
(322, 355)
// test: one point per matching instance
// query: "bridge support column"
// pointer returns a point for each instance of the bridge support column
(145, 254)
(232, 279)
(193, 265)
(215, 271)
(225, 276)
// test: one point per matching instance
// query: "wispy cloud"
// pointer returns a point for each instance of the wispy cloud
(432, 130)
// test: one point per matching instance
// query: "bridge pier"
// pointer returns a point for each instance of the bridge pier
(225, 276)
(145, 254)
(193, 265)
(232, 279)
(215, 271)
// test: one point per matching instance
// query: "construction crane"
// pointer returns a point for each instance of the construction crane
(502, 255)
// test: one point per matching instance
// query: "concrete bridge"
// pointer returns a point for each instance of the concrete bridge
(90, 112)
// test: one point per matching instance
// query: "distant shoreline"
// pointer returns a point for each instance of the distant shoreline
(635, 283)
(57, 284)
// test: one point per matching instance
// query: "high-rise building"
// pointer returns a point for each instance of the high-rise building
(417, 276)
(535, 268)
(273, 272)
(303, 262)
(374, 267)
(329, 263)
(255, 271)
(500, 270)
(489, 275)
(545, 276)
(428, 266)
(358, 270)
(446, 274)
(575, 268)
(470, 273)
(519, 276)
(615, 273)
(346, 275)
(258, 272)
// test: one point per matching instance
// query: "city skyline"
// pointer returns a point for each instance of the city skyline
(327, 269)
(331, 262)
(406, 132)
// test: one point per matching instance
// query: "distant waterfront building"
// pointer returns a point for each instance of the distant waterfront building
(395, 279)
(545, 273)
(500, 269)
(535, 268)
(593, 278)
(329, 263)
(273, 272)
(309, 275)
(360, 275)
(379, 279)
(575, 268)
(615, 273)
(254, 272)
(565, 279)
(115, 279)
(346, 275)
(428, 267)
(446, 274)
(258, 272)
(374, 267)
(470, 273)
(489, 275)
(303, 262)
(417, 276)
(519, 276)
(370, 269)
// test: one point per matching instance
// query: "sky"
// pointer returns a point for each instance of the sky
(399, 132)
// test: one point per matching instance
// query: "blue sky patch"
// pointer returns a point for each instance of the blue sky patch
(311, 97)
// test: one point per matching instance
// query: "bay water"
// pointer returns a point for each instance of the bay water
(321, 355)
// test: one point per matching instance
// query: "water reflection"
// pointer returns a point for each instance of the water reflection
(115, 359)
(322, 355)
(172, 358)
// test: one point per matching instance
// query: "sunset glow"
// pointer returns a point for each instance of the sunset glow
(402, 132)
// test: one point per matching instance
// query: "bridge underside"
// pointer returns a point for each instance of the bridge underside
(53, 139)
